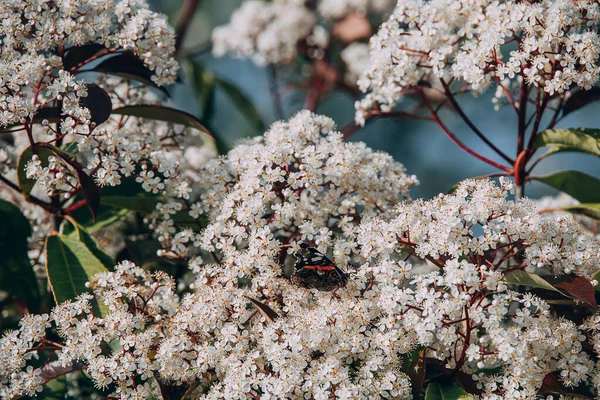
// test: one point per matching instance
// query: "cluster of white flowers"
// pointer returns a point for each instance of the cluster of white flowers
(266, 32)
(551, 44)
(135, 301)
(462, 310)
(276, 32)
(299, 180)
(37, 37)
(356, 58)
(556, 206)
(338, 9)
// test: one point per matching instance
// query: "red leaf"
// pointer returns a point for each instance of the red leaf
(580, 99)
(580, 289)
(551, 385)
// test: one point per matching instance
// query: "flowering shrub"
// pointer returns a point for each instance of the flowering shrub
(135, 263)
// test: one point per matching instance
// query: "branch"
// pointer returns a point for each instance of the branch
(275, 94)
(470, 123)
(459, 143)
(183, 21)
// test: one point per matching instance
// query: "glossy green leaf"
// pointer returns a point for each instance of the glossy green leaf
(204, 86)
(577, 139)
(435, 391)
(72, 148)
(92, 245)
(596, 277)
(591, 210)
(523, 278)
(69, 265)
(130, 195)
(141, 204)
(581, 186)
(16, 272)
(116, 204)
(413, 365)
(242, 103)
(168, 114)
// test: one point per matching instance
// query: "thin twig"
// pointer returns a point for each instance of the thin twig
(459, 143)
(186, 14)
(470, 123)
(275, 94)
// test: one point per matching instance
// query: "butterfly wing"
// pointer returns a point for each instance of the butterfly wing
(313, 270)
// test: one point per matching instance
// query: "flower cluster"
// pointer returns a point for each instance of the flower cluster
(266, 32)
(548, 44)
(276, 32)
(89, 337)
(463, 311)
(36, 72)
(299, 181)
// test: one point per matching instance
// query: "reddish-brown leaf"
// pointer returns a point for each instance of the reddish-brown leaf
(580, 289)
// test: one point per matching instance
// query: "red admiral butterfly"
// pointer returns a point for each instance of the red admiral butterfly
(315, 271)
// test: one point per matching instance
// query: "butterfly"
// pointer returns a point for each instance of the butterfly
(315, 271)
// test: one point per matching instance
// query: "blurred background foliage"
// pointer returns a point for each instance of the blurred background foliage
(419, 145)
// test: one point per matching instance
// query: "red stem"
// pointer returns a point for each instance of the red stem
(470, 123)
(461, 144)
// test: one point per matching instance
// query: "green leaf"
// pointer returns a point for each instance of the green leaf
(116, 204)
(72, 148)
(577, 139)
(435, 391)
(596, 277)
(168, 114)
(141, 204)
(204, 86)
(83, 236)
(523, 278)
(69, 265)
(583, 187)
(591, 210)
(130, 195)
(16, 272)
(242, 103)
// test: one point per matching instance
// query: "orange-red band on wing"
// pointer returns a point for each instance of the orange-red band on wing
(320, 267)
